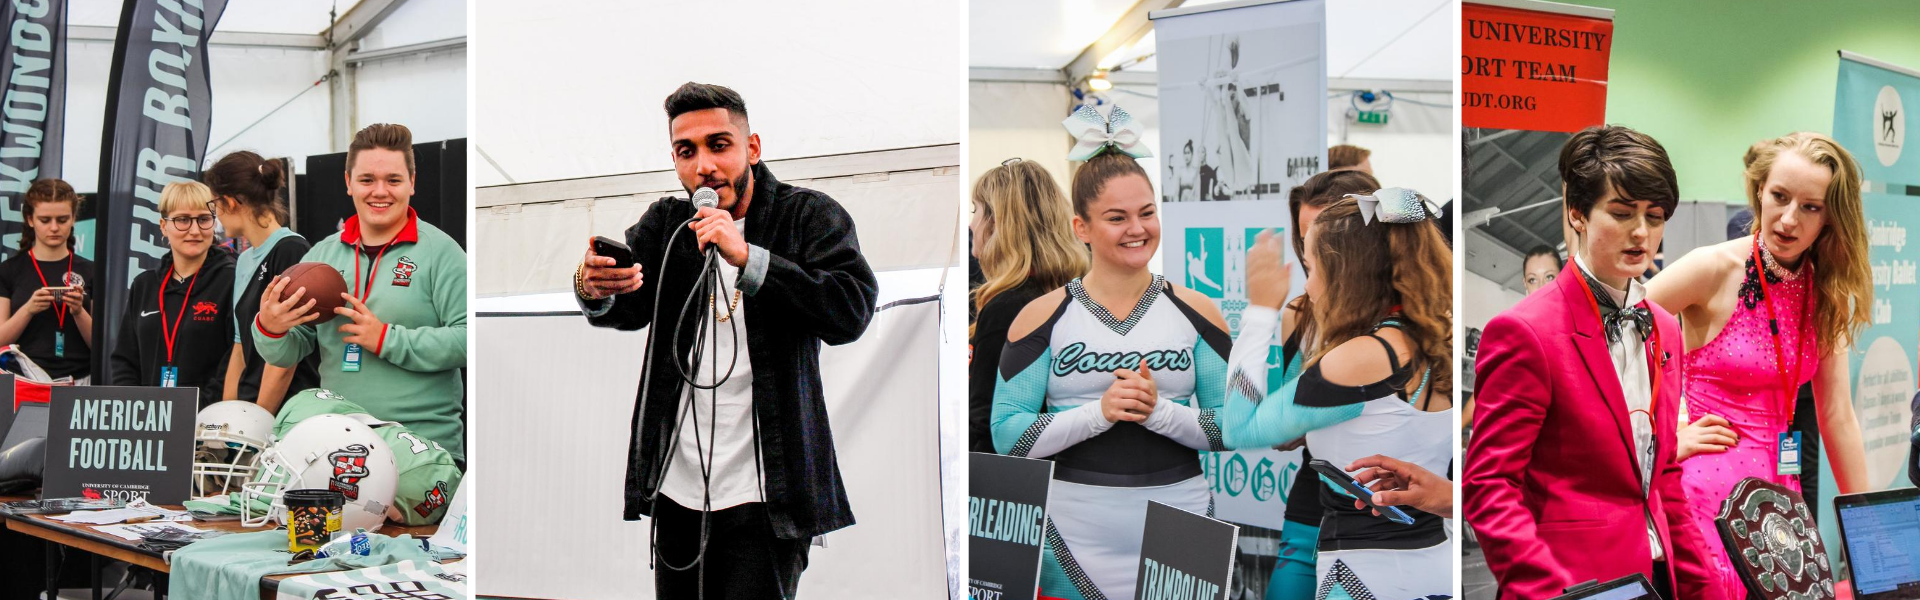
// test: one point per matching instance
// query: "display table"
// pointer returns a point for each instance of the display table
(86, 539)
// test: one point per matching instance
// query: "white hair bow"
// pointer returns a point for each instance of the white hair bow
(1093, 133)
(1396, 205)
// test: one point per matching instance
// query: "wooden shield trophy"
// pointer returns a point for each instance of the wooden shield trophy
(1773, 542)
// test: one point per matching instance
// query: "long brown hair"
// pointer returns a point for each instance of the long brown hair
(1032, 232)
(1845, 286)
(1319, 191)
(41, 192)
(1370, 268)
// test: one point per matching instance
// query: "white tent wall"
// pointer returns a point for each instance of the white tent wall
(1415, 149)
(247, 83)
(428, 93)
(902, 202)
(881, 400)
(575, 90)
(1008, 119)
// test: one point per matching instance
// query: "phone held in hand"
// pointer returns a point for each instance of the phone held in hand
(621, 255)
(1361, 492)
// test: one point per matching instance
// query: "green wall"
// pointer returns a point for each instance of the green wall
(1709, 78)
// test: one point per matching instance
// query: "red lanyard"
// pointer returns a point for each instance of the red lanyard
(171, 337)
(59, 308)
(1788, 390)
(357, 250)
(1652, 342)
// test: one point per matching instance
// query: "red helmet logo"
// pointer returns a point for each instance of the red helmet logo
(349, 466)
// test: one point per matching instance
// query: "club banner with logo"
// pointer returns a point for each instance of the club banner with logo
(1243, 99)
(1536, 70)
(1007, 523)
(121, 442)
(159, 115)
(1184, 556)
(1872, 111)
(33, 99)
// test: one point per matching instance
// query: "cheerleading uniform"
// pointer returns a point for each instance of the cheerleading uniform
(1360, 555)
(1047, 405)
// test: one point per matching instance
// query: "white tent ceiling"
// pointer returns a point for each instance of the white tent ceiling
(278, 16)
(1374, 39)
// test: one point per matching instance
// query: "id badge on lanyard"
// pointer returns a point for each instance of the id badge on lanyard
(60, 344)
(350, 362)
(1789, 453)
(169, 376)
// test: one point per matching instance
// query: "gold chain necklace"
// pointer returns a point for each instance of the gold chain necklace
(728, 316)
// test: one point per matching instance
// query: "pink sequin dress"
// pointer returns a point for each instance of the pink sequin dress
(1735, 376)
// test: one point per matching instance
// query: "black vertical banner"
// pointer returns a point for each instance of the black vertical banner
(33, 97)
(159, 115)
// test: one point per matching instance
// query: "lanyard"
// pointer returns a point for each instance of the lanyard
(1787, 377)
(59, 308)
(1652, 342)
(171, 337)
(357, 251)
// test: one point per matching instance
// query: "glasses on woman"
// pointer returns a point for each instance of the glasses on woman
(186, 223)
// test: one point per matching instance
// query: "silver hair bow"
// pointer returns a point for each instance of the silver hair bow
(1396, 205)
(1093, 133)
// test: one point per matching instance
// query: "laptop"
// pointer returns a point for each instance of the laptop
(1878, 531)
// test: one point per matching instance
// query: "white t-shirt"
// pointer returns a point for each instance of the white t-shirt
(735, 480)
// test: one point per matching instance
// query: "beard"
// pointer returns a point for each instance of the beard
(737, 185)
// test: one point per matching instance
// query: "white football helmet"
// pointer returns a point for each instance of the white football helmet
(327, 452)
(227, 445)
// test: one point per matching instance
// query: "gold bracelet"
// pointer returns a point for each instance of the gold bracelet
(580, 282)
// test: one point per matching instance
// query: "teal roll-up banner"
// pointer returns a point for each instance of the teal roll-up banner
(1872, 113)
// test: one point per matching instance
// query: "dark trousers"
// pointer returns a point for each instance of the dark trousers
(743, 560)
(1662, 579)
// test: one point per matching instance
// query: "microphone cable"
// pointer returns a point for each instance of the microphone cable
(707, 281)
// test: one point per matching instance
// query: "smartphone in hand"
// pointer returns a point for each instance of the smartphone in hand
(621, 255)
(1347, 482)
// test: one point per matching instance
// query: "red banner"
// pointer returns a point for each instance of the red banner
(1537, 71)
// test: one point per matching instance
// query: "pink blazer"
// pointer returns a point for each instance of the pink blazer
(1551, 484)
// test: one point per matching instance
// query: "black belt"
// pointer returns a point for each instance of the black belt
(1127, 455)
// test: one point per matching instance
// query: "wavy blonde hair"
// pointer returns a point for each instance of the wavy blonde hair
(1032, 232)
(1845, 284)
(1371, 268)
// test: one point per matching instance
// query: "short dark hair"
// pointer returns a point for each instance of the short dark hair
(701, 96)
(1601, 157)
(383, 136)
(1543, 250)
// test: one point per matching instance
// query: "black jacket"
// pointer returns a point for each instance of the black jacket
(205, 334)
(983, 367)
(818, 288)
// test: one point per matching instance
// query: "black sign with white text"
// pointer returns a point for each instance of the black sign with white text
(121, 442)
(1184, 556)
(1006, 524)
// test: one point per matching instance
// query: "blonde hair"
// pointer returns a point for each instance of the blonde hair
(1032, 232)
(1845, 285)
(182, 195)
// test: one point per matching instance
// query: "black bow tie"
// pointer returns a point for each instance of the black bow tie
(1612, 315)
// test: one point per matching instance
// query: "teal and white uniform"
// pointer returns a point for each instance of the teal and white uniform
(1360, 555)
(1046, 404)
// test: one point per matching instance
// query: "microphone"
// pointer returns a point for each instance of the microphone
(705, 197)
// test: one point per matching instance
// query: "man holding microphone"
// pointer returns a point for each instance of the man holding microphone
(732, 458)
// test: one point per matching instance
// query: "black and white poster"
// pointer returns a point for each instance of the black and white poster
(33, 99)
(121, 442)
(158, 121)
(1243, 100)
(1184, 556)
(1007, 523)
